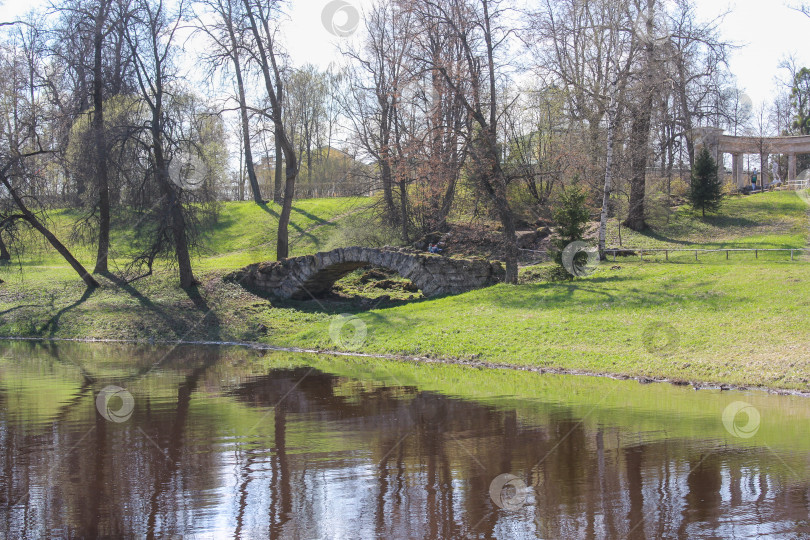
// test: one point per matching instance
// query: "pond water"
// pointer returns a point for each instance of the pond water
(219, 442)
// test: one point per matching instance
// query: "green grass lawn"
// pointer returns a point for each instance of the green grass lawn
(742, 321)
(243, 233)
(776, 219)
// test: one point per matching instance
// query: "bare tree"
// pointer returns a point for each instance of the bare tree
(101, 29)
(99, 69)
(21, 148)
(373, 106)
(151, 37)
(261, 15)
(647, 37)
(477, 26)
(589, 48)
(439, 135)
(227, 36)
(698, 60)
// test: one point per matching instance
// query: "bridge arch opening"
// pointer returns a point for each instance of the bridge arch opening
(357, 278)
(314, 275)
(373, 282)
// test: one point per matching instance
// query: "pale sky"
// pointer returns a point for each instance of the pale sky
(767, 30)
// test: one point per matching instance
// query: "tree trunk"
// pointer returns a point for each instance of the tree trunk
(640, 130)
(251, 170)
(4, 254)
(283, 245)
(63, 251)
(308, 138)
(639, 138)
(388, 192)
(102, 174)
(386, 175)
(608, 188)
(173, 205)
(495, 185)
(278, 187)
(403, 208)
(274, 88)
(509, 235)
(243, 114)
(498, 178)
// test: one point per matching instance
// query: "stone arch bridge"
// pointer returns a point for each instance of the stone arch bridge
(314, 275)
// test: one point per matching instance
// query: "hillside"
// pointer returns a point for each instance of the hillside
(741, 321)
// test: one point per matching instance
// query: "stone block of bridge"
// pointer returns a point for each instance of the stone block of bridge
(314, 275)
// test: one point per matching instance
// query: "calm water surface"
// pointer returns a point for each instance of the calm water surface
(213, 442)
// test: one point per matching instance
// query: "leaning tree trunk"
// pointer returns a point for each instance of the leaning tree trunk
(49, 236)
(63, 251)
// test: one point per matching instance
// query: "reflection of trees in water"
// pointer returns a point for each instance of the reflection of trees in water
(387, 461)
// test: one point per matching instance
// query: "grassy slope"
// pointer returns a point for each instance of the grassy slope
(243, 233)
(766, 220)
(739, 322)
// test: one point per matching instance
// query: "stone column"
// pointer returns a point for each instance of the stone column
(721, 166)
(737, 169)
(763, 173)
(791, 166)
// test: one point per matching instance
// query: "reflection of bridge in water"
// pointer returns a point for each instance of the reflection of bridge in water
(237, 443)
(718, 144)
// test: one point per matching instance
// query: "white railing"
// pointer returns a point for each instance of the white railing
(640, 252)
(799, 184)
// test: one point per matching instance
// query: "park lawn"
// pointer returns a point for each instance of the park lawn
(736, 323)
(246, 233)
(741, 321)
(242, 234)
(776, 219)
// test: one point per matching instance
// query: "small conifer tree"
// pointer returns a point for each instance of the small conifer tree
(706, 192)
(571, 218)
